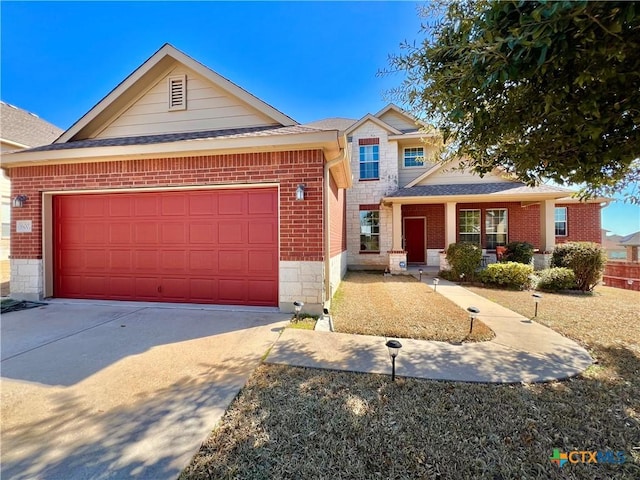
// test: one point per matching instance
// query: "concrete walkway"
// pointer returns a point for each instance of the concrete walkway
(522, 350)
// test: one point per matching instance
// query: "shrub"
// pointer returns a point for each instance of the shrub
(520, 252)
(510, 274)
(448, 275)
(464, 259)
(586, 259)
(555, 279)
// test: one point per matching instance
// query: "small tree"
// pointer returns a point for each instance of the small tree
(586, 259)
(520, 252)
(464, 259)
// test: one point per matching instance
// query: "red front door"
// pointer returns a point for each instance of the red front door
(207, 246)
(414, 231)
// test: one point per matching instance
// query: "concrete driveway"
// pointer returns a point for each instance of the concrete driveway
(117, 390)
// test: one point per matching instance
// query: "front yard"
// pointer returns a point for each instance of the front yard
(400, 306)
(295, 423)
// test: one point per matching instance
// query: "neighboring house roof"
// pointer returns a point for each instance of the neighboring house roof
(177, 137)
(476, 189)
(632, 240)
(25, 129)
(336, 123)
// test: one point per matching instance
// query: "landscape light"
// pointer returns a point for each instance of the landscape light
(394, 347)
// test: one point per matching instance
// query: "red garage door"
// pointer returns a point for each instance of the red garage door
(214, 246)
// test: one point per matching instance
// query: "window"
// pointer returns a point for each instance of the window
(414, 157)
(369, 231)
(496, 228)
(561, 221)
(178, 92)
(6, 217)
(469, 226)
(369, 162)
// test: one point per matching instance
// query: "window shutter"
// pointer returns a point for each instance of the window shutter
(178, 92)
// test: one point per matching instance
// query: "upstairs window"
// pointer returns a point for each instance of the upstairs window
(496, 228)
(414, 157)
(369, 158)
(178, 92)
(469, 226)
(561, 221)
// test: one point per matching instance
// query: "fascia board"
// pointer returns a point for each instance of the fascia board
(490, 197)
(370, 118)
(325, 140)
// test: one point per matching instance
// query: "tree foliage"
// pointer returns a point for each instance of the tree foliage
(546, 90)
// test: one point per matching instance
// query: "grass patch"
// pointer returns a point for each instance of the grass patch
(400, 306)
(305, 323)
(292, 423)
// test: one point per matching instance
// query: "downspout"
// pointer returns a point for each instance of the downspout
(327, 230)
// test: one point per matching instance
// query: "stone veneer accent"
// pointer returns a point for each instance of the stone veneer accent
(541, 260)
(368, 192)
(395, 258)
(301, 281)
(26, 279)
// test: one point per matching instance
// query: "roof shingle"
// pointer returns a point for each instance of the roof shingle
(475, 189)
(176, 137)
(19, 126)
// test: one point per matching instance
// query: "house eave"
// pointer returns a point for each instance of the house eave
(525, 198)
(328, 141)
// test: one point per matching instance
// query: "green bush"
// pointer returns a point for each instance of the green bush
(586, 259)
(510, 275)
(520, 252)
(555, 279)
(464, 259)
(448, 275)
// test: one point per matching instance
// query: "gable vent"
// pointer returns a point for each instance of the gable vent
(178, 92)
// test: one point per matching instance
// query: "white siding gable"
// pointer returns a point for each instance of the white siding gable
(398, 121)
(206, 107)
(447, 175)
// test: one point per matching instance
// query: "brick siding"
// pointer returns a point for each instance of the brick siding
(435, 222)
(583, 221)
(337, 219)
(300, 221)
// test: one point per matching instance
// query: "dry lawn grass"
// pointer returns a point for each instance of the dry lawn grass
(400, 306)
(293, 423)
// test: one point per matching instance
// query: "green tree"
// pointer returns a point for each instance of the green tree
(545, 90)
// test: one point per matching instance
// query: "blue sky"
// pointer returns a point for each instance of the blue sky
(310, 60)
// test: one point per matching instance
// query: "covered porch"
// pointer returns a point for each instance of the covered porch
(427, 219)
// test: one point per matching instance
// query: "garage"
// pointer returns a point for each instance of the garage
(217, 246)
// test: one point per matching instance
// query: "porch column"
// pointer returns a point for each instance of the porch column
(547, 225)
(396, 217)
(449, 224)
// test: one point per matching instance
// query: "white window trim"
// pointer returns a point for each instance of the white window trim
(370, 234)
(506, 234)
(460, 233)
(177, 80)
(566, 222)
(413, 166)
(360, 161)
